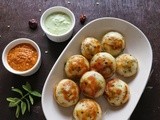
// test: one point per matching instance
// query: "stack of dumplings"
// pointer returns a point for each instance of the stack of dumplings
(92, 73)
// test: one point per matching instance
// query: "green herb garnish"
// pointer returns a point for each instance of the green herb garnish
(23, 102)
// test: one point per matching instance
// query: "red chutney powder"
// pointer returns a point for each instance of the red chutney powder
(22, 57)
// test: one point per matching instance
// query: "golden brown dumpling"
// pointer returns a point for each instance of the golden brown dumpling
(127, 65)
(76, 66)
(113, 43)
(66, 93)
(89, 47)
(92, 84)
(104, 63)
(87, 109)
(117, 92)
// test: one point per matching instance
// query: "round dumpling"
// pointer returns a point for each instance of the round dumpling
(89, 47)
(113, 43)
(76, 66)
(66, 93)
(87, 109)
(92, 84)
(117, 92)
(104, 63)
(127, 65)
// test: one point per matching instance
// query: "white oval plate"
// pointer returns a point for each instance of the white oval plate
(137, 45)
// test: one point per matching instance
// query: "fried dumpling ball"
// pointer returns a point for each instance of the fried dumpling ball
(87, 109)
(104, 63)
(66, 93)
(89, 47)
(113, 43)
(117, 92)
(127, 65)
(92, 84)
(76, 66)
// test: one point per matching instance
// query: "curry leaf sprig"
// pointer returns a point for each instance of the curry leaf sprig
(23, 102)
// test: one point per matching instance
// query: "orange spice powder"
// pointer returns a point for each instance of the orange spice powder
(22, 57)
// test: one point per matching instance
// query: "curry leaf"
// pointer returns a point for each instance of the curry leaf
(28, 105)
(12, 104)
(31, 99)
(24, 101)
(17, 111)
(15, 103)
(23, 107)
(10, 99)
(27, 87)
(17, 90)
(35, 93)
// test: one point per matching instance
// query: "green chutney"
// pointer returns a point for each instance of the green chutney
(58, 23)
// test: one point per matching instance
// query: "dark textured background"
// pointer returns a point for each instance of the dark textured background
(145, 14)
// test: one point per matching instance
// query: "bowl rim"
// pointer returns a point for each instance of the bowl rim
(54, 10)
(13, 44)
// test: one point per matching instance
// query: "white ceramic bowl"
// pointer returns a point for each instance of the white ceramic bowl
(13, 44)
(53, 37)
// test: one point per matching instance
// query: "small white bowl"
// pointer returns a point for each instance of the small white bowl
(53, 37)
(13, 44)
